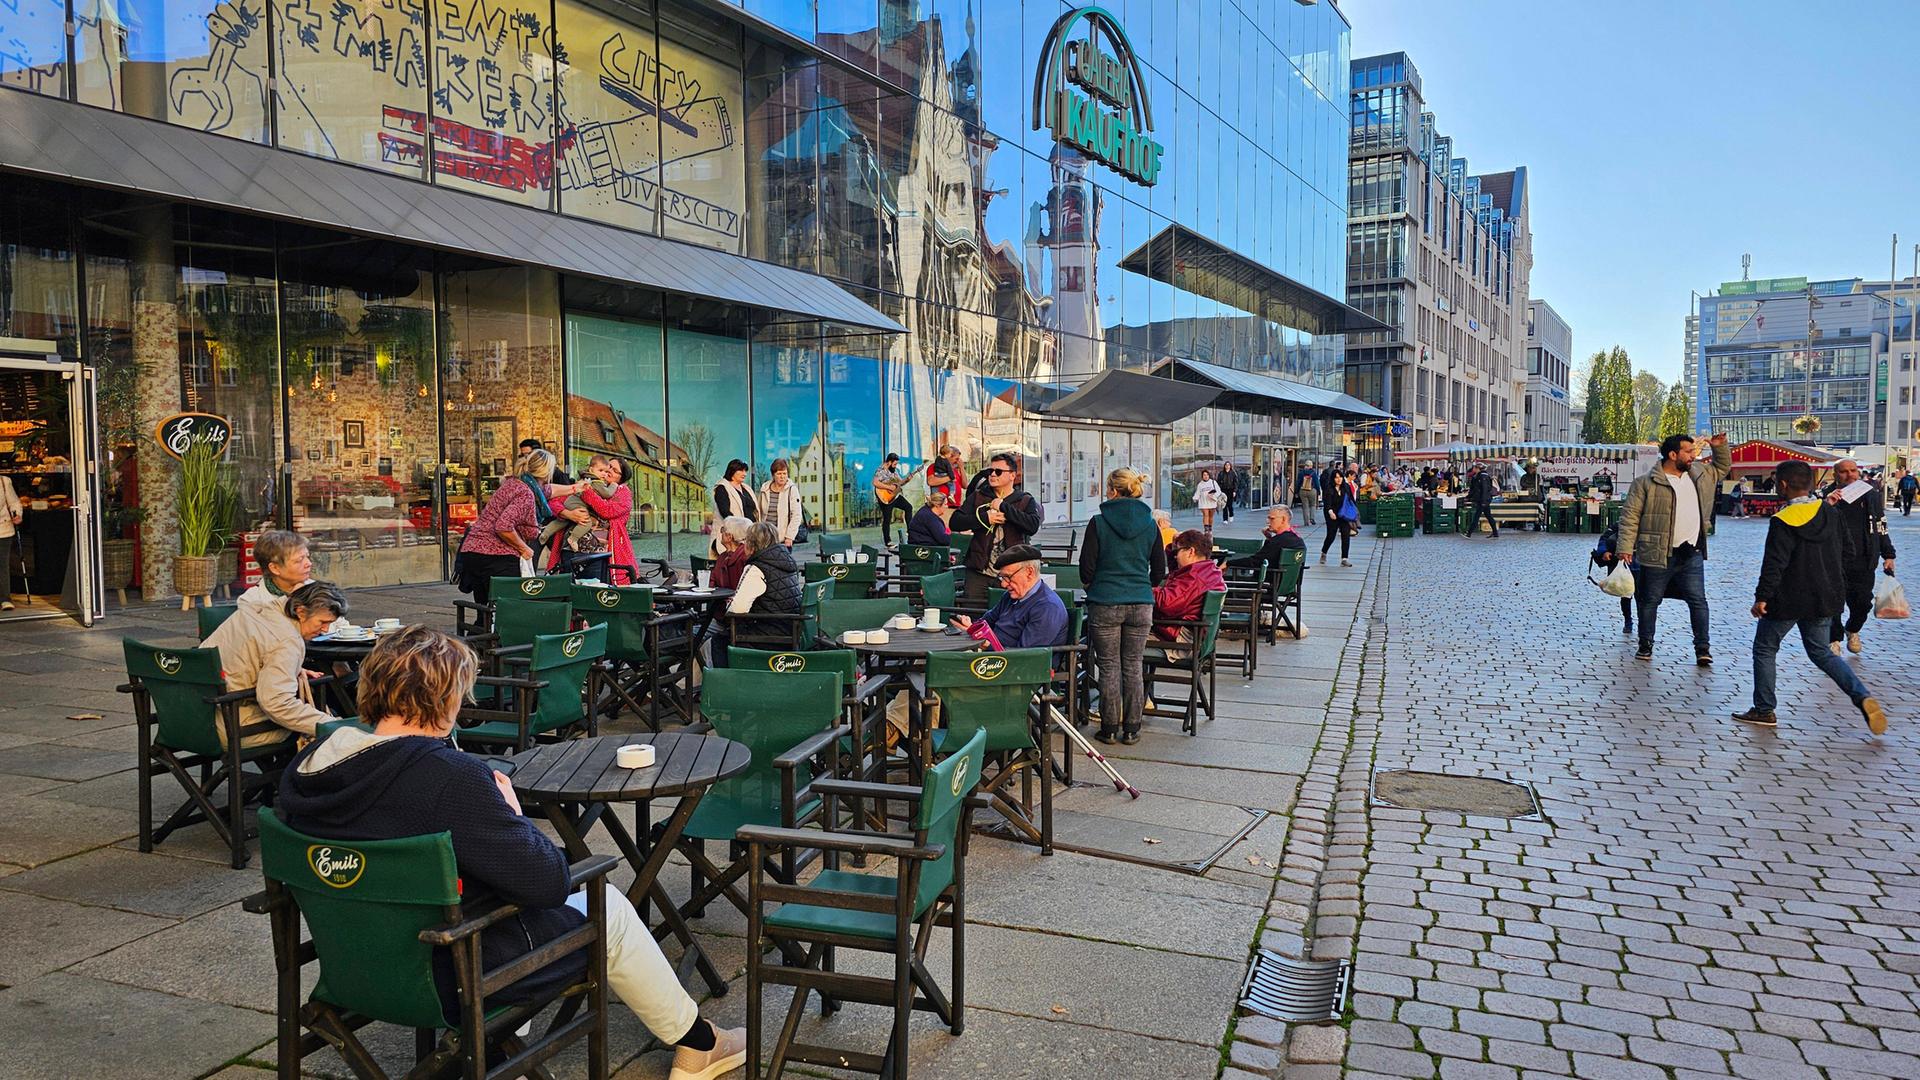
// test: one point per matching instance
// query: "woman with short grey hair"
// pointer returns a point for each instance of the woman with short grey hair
(263, 648)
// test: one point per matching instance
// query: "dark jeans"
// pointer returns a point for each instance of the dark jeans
(1119, 633)
(887, 510)
(1226, 506)
(1485, 512)
(1859, 605)
(1813, 635)
(1906, 502)
(1341, 527)
(977, 584)
(1683, 579)
(476, 573)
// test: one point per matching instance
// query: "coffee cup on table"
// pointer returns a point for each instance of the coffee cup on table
(855, 637)
(930, 617)
(386, 624)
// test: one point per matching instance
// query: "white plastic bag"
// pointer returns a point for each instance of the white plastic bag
(526, 567)
(1620, 582)
(1890, 599)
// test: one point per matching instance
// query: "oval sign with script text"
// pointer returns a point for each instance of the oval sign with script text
(571, 646)
(339, 867)
(181, 432)
(787, 663)
(988, 667)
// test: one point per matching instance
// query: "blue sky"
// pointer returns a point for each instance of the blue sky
(1663, 139)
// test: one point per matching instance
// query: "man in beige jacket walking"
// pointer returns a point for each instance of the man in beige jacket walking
(1663, 533)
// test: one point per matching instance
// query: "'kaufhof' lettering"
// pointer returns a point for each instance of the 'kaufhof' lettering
(1109, 137)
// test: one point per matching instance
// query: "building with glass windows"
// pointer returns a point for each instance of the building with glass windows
(1442, 256)
(384, 241)
(1772, 351)
(1549, 369)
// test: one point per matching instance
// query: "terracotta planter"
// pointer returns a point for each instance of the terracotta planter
(193, 576)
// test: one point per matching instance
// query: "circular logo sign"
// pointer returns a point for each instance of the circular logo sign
(167, 662)
(607, 598)
(339, 867)
(786, 663)
(989, 667)
(533, 586)
(960, 774)
(181, 432)
(571, 646)
(922, 554)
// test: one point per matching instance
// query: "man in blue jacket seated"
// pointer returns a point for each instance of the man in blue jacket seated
(1031, 615)
(405, 778)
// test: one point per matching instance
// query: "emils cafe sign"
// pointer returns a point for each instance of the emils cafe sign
(181, 432)
(1094, 100)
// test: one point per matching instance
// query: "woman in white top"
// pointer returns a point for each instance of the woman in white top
(780, 503)
(10, 514)
(732, 497)
(1208, 498)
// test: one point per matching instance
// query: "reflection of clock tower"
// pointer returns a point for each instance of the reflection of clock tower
(1072, 213)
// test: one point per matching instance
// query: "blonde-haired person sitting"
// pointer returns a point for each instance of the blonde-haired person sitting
(405, 778)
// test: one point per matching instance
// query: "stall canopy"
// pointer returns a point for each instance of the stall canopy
(1764, 455)
(1128, 397)
(1437, 452)
(1548, 451)
(1251, 391)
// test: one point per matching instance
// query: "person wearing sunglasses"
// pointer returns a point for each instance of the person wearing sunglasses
(1031, 615)
(1000, 515)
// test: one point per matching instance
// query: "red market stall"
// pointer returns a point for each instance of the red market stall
(1755, 460)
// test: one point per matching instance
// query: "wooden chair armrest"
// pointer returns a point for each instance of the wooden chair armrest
(869, 686)
(810, 746)
(263, 903)
(579, 873)
(509, 680)
(855, 843)
(233, 696)
(865, 789)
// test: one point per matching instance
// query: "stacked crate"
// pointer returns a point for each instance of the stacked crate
(1393, 515)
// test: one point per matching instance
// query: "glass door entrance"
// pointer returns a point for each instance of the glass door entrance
(47, 531)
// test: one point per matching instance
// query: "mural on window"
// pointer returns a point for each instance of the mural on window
(492, 100)
(196, 63)
(33, 46)
(352, 80)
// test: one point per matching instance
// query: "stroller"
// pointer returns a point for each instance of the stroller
(1604, 555)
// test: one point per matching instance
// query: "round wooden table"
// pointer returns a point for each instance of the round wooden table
(577, 783)
(913, 644)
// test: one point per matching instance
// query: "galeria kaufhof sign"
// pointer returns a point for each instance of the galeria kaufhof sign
(1095, 100)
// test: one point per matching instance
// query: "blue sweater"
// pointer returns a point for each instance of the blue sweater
(418, 785)
(1037, 620)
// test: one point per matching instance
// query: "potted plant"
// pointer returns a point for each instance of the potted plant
(116, 550)
(1807, 425)
(201, 509)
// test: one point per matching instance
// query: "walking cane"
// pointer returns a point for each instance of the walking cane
(1119, 782)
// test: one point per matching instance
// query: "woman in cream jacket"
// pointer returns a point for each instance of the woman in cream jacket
(263, 648)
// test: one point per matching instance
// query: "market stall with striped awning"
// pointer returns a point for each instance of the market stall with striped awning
(1549, 451)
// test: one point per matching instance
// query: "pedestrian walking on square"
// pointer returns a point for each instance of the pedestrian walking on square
(1480, 490)
(1229, 491)
(1663, 533)
(1337, 490)
(1909, 487)
(1802, 584)
(1864, 547)
(1308, 487)
(1206, 497)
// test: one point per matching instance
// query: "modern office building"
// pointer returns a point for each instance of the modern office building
(1440, 254)
(1549, 368)
(1772, 351)
(374, 245)
(1690, 359)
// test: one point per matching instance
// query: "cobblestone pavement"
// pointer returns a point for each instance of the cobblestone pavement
(1702, 899)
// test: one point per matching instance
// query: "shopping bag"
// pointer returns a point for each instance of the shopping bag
(1620, 582)
(526, 567)
(1348, 511)
(1890, 599)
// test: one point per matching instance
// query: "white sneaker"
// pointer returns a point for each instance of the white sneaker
(1834, 647)
(1346, 562)
(6, 605)
(1853, 642)
(729, 1053)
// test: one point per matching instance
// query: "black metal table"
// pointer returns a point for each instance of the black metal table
(577, 784)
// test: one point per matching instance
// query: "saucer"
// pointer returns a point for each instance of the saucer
(930, 628)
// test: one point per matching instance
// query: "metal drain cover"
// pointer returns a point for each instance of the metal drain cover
(1298, 991)
(1481, 796)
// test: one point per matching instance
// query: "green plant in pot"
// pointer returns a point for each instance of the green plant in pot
(203, 507)
(116, 549)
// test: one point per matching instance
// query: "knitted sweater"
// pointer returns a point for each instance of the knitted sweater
(356, 786)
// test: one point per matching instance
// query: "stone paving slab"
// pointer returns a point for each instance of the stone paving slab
(67, 1027)
(36, 830)
(152, 884)
(46, 935)
(224, 956)
(55, 761)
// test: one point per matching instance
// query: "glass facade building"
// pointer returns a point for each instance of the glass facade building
(1776, 350)
(902, 150)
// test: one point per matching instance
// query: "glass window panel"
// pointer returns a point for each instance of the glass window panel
(703, 164)
(358, 332)
(846, 29)
(608, 164)
(705, 373)
(34, 57)
(37, 264)
(794, 16)
(353, 85)
(846, 451)
(189, 62)
(782, 129)
(849, 193)
(616, 404)
(786, 406)
(493, 98)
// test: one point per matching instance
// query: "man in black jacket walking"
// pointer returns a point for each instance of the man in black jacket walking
(1480, 490)
(1864, 542)
(1802, 584)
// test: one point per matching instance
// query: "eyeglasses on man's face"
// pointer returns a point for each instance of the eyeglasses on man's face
(1007, 577)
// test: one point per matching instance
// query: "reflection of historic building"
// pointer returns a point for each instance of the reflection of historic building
(659, 479)
(820, 468)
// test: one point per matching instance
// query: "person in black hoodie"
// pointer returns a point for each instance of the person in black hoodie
(405, 778)
(1864, 544)
(1000, 514)
(1803, 584)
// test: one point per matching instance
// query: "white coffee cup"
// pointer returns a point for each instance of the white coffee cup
(637, 756)
(854, 637)
(386, 624)
(840, 556)
(930, 617)
(878, 637)
(861, 557)
(704, 579)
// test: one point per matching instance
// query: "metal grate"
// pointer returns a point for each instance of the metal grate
(1298, 991)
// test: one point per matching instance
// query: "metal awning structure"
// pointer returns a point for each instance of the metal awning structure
(58, 140)
(1765, 455)
(1128, 397)
(1550, 451)
(1183, 258)
(1252, 391)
